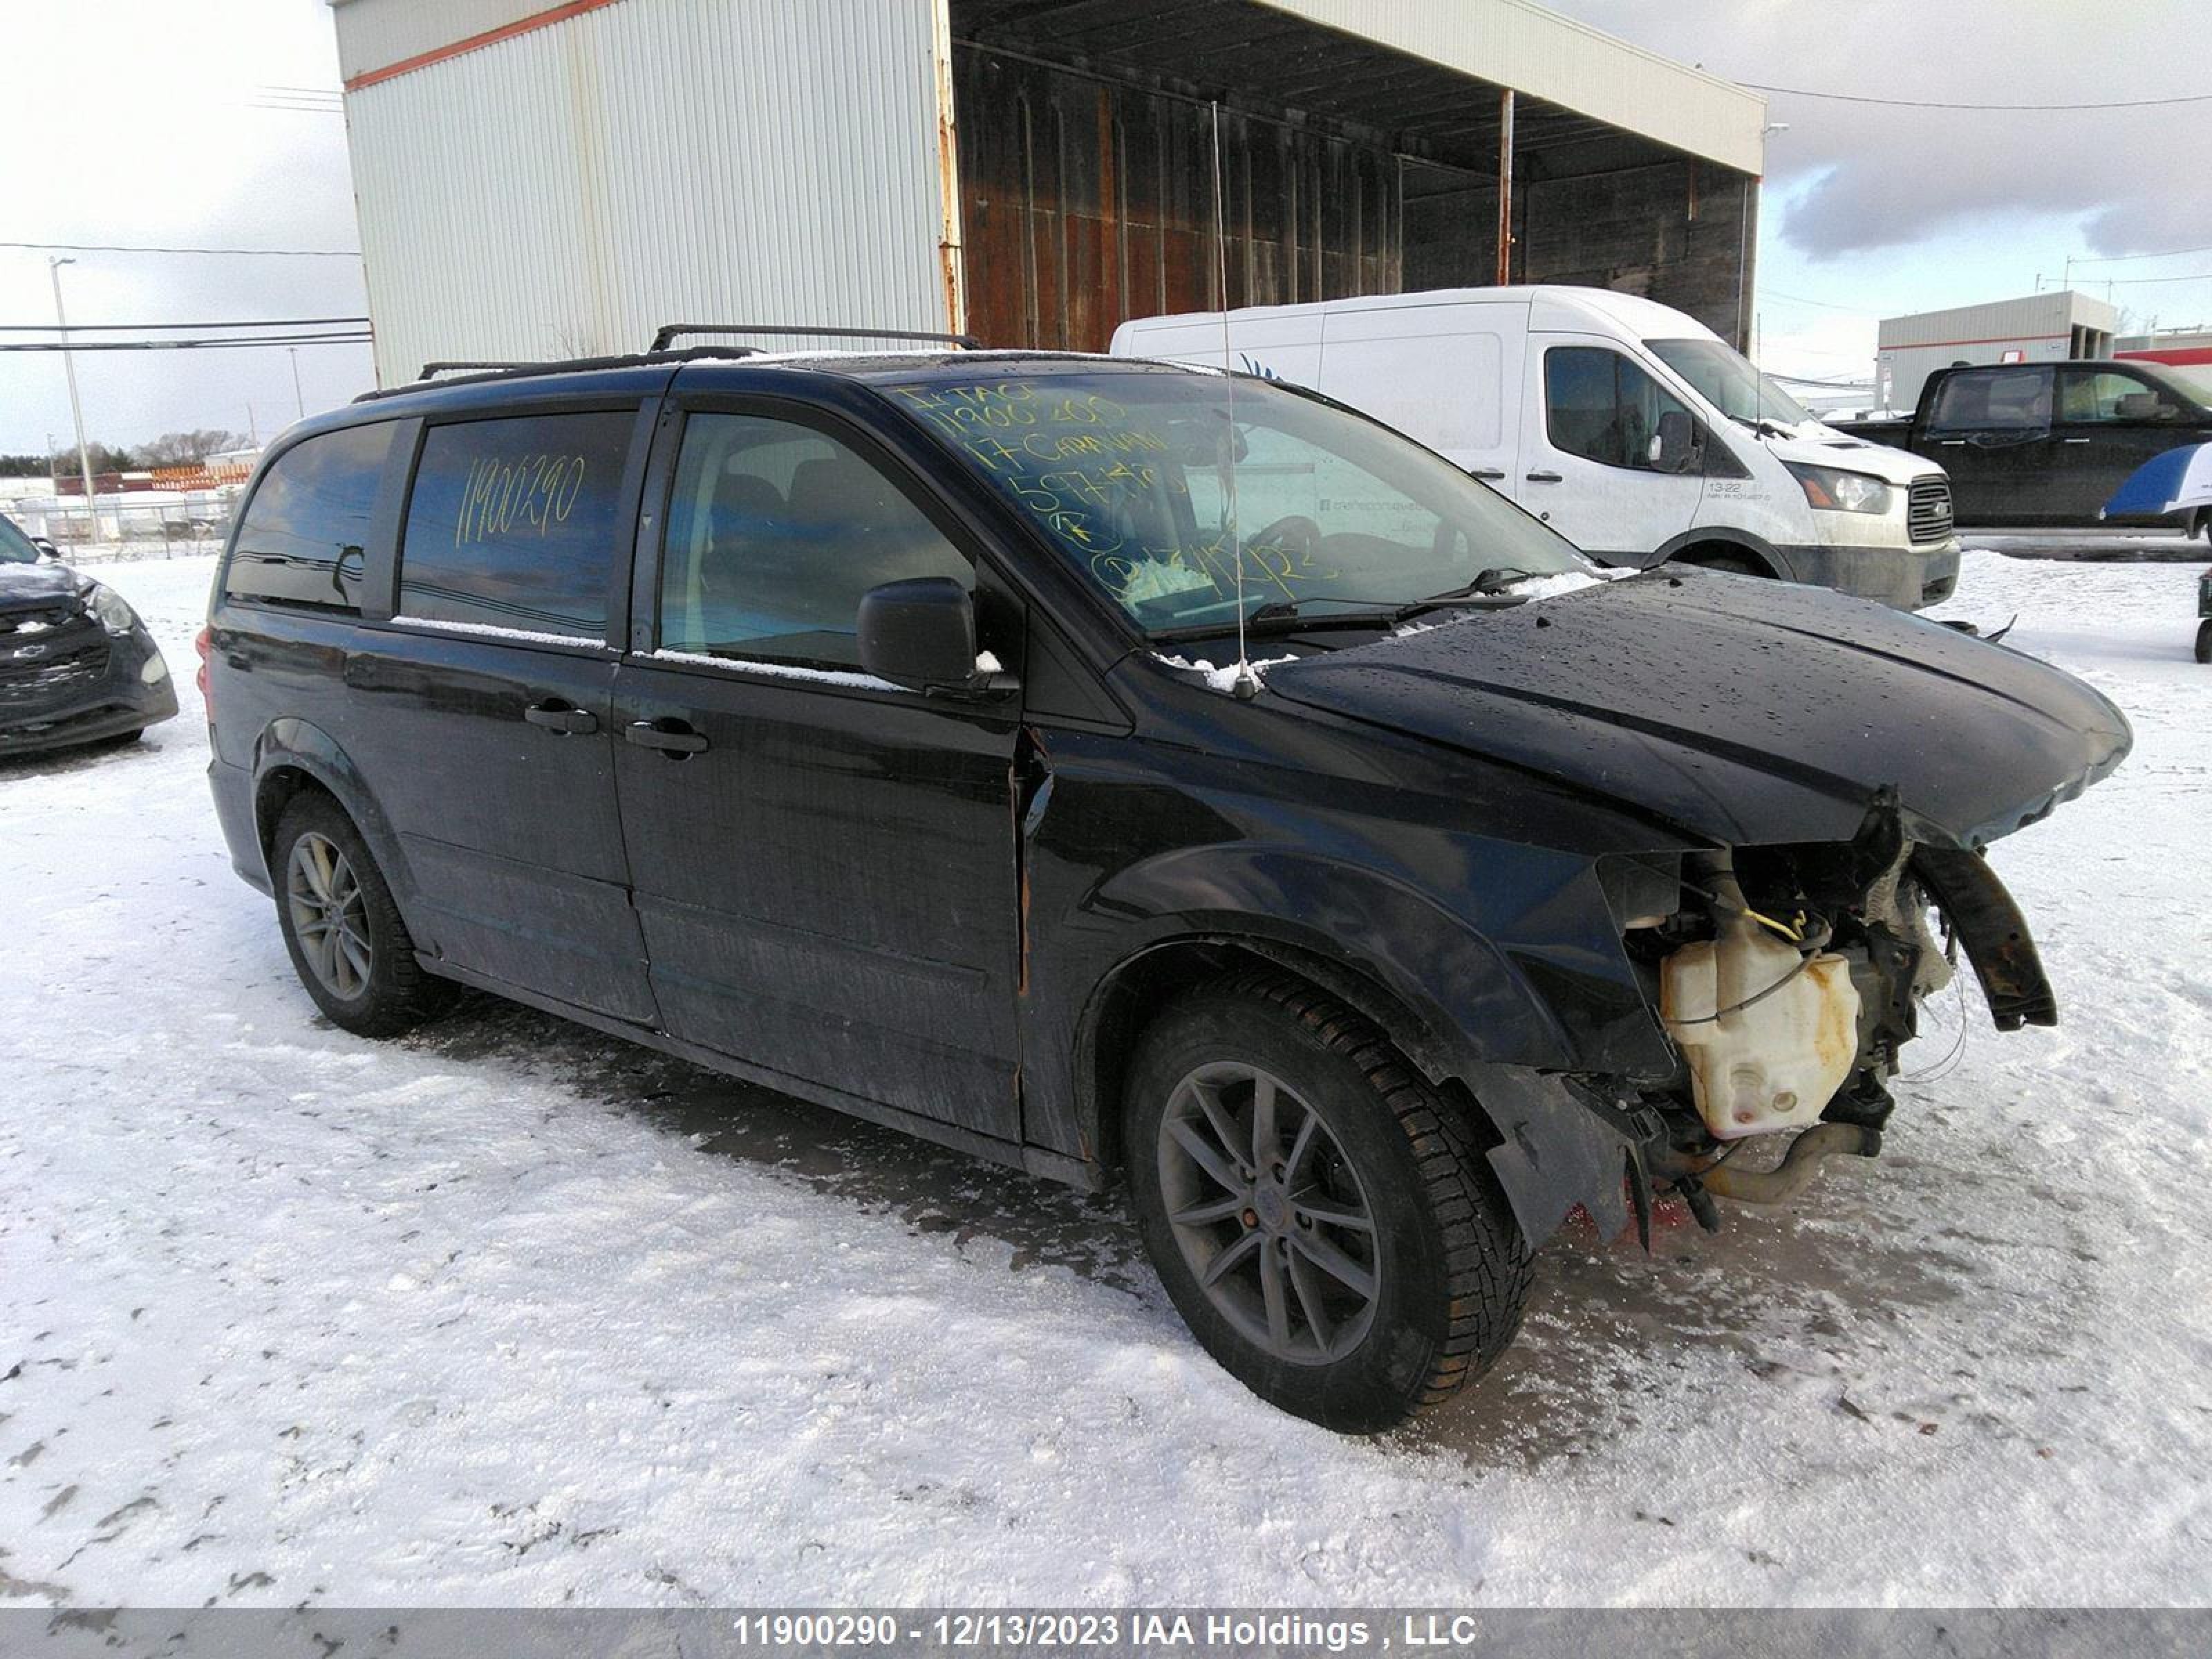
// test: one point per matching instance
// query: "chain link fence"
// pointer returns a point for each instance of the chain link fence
(128, 527)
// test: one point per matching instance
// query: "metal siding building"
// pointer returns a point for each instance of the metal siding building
(536, 181)
(2038, 328)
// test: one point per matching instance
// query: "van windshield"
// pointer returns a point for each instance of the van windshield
(1184, 497)
(1727, 381)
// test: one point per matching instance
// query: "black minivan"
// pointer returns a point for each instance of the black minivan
(925, 734)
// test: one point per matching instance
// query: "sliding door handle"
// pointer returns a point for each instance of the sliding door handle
(1486, 472)
(1545, 477)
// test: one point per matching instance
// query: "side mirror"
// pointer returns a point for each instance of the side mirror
(46, 549)
(1675, 446)
(920, 634)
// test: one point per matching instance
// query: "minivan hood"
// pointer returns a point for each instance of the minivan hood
(1743, 711)
(34, 587)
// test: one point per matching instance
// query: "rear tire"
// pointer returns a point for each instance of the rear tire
(2204, 641)
(1397, 1271)
(344, 932)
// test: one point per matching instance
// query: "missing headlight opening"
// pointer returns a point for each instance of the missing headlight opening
(1790, 980)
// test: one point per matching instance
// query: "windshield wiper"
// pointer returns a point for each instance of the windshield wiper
(1488, 584)
(1286, 616)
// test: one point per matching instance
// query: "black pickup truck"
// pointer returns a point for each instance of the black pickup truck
(2046, 444)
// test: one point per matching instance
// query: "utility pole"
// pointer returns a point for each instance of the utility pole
(1505, 187)
(298, 402)
(54, 263)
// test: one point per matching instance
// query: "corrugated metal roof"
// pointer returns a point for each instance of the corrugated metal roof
(1511, 43)
(1504, 42)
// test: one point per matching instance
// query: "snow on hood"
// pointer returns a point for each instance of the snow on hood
(1222, 680)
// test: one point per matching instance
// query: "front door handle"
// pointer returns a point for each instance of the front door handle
(670, 736)
(557, 716)
(1544, 477)
(1486, 472)
(2073, 440)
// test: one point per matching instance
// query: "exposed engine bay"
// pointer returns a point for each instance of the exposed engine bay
(1789, 980)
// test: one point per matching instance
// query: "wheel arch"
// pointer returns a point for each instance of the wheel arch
(292, 757)
(1138, 988)
(1712, 541)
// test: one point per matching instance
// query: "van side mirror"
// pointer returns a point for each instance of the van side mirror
(1675, 446)
(920, 634)
(46, 549)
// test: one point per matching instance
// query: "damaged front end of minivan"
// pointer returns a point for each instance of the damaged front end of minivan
(1789, 980)
(1786, 942)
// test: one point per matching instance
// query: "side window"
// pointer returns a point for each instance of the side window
(514, 523)
(775, 531)
(301, 540)
(2105, 395)
(2008, 401)
(1602, 406)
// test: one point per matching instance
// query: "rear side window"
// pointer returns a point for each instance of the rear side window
(2105, 396)
(514, 524)
(302, 538)
(1602, 407)
(2008, 401)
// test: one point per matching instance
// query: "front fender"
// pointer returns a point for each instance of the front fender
(1472, 1003)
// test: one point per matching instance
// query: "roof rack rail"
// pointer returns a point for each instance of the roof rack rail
(670, 331)
(432, 371)
(482, 371)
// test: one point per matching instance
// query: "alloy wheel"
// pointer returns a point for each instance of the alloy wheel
(329, 916)
(1269, 1213)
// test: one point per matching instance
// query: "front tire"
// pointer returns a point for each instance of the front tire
(2204, 641)
(343, 931)
(1321, 1218)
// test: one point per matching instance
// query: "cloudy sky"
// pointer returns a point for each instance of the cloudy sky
(149, 122)
(1869, 210)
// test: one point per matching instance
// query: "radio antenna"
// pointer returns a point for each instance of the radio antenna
(1246, 685)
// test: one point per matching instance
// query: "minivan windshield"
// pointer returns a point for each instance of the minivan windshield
(1725, 378)
(15, 548)
(1171, 491)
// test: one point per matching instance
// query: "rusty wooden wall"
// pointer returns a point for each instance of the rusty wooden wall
(1085, 201)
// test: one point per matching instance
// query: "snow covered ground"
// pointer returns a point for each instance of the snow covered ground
(510, 1313)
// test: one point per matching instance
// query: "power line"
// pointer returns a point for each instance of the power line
(1929, 103)
(362, 339)
(1824, 305)
(122, 247)
(2115, 259)
(2131, 281)
(150, 328)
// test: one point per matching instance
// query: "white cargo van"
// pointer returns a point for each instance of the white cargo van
(1633, 431)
